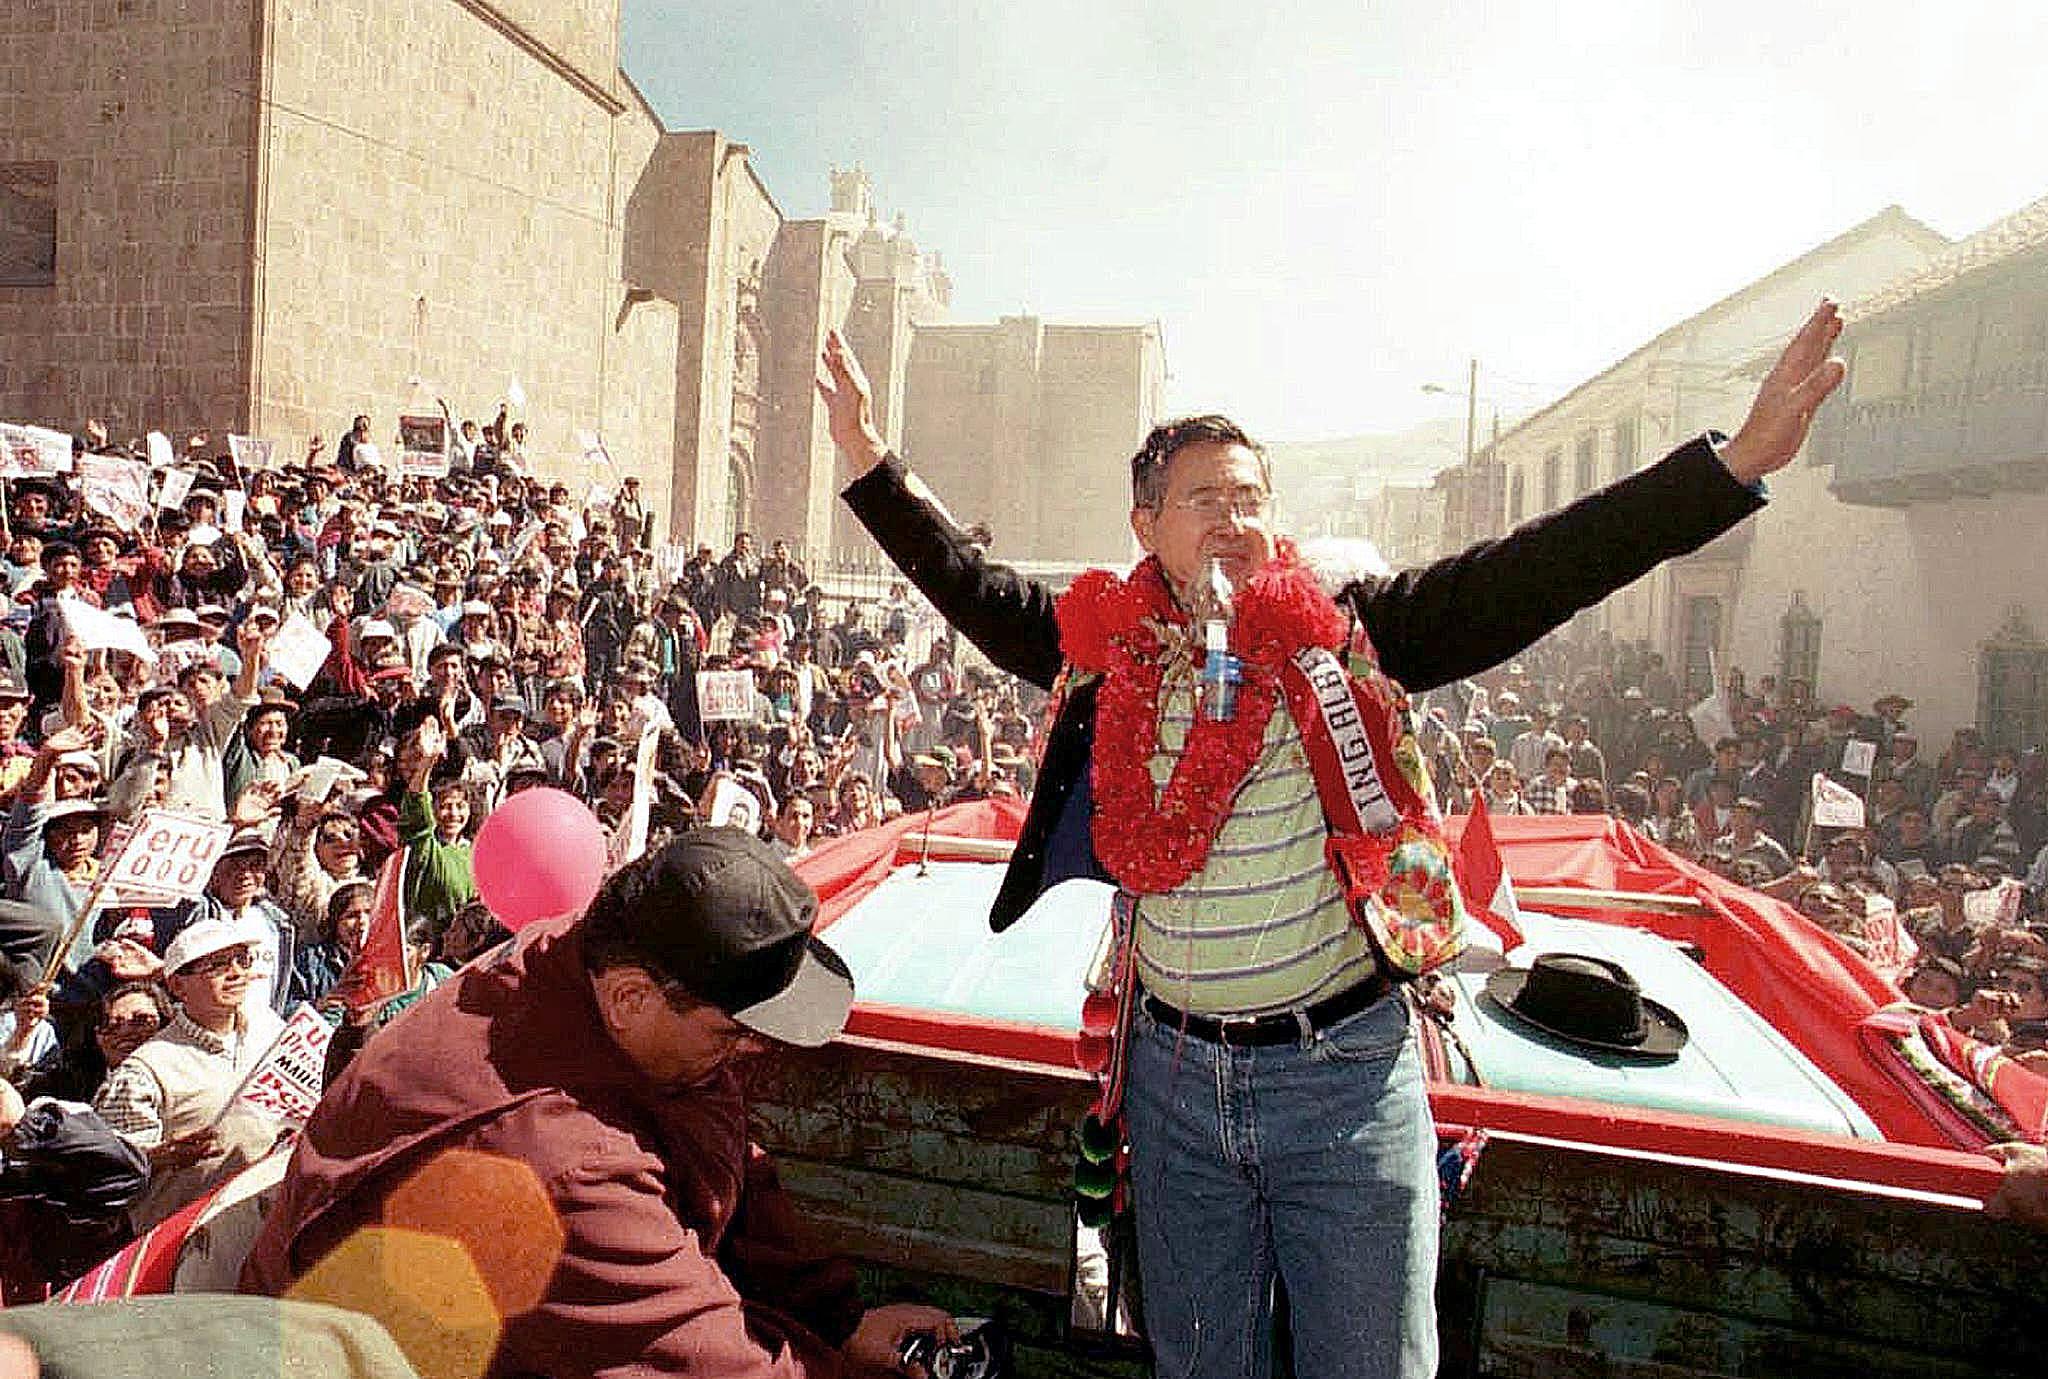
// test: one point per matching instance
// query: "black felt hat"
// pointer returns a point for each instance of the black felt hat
(1588, 1001)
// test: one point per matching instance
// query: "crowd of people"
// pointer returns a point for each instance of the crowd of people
(480, 633)
(484, 632)
(1952, 853)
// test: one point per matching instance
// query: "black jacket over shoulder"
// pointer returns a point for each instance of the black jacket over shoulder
(1432, 625)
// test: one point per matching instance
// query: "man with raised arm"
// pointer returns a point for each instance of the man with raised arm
(1280, 844)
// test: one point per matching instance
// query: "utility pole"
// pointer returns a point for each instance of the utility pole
(1471, 412)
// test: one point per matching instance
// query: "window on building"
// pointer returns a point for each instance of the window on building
(2012, 686)
(28, 224)
(1624, 447)
(1553, 465)
(1702, 640)
(1585, 475)
(1516, 496)
(1799, 643)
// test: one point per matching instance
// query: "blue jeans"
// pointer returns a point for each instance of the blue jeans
(1313, 1162)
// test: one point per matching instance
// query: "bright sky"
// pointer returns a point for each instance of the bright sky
(1328, 204)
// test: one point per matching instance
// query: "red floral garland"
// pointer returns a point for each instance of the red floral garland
(1152, 841)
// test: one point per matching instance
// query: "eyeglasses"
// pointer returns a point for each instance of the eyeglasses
(1244, 504)
(345, 839)
(215, 964)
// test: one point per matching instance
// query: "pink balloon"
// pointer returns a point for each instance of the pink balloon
(540, 854)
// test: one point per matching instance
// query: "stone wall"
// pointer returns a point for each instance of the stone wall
(144, 108)
(1099, 392)
(723, 228)
(437, 206)
(1029, 428)
(809, 290)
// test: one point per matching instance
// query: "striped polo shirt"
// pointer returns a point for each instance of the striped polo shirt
(1262, 926)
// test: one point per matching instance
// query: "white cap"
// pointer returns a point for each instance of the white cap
(203, 938)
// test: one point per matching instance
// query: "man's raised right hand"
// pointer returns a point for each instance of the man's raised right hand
(849, 404)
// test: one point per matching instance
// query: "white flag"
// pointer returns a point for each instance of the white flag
(1834, 805)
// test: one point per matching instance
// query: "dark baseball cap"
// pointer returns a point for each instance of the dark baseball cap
(727, 920)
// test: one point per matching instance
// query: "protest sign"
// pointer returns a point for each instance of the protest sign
(423, 447)
(234, 503)
(32, 452)
(367, 456)
(117, 489)
(251, 453)
(298, 649)
(725, 696)
(98, 630)
(1890, 948)
(169, 854)
(733, 806)
(1996, 907)
(1835, 805)
(1858, 758)
(161, 455)
(174, 486)
(287, 1083)
(385, 967)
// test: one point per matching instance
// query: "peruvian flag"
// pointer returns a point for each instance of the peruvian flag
(387, 967)
(1483, 877)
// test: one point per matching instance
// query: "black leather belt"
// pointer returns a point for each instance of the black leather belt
(1283, 1028)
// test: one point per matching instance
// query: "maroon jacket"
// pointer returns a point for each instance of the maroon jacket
(678, 1251)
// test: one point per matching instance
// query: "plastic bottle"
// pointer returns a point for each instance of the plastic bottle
(1222, 672)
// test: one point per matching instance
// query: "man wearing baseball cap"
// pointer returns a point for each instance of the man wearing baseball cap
(576, 1090)
(168, 1097)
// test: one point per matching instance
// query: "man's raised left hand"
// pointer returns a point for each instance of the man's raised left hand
(1793, 390)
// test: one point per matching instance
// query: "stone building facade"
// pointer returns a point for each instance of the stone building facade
(266, 216)
(1696, 376)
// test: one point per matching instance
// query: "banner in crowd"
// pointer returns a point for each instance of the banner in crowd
(33, 452)
(423, 447)
(725, 696)
(251, 453)
(1859, 758)
(116, 489)
(1835, 805)
(386, 966)
(161, 453)
(287, 1083)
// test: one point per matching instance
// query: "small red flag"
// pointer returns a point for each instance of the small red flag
(1483, 877)
(385, 968)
